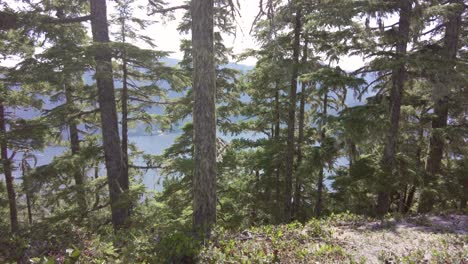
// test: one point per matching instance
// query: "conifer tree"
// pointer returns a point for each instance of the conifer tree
(117, 180)
(204, 120)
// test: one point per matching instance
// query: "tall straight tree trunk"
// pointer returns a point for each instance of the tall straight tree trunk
(318, 204)
(441, 96)
(7, 171)
(276, 161)
(124, 99)
(204, 118)
(352, 154)
(118, 184)
(292, 120)
(300, 139)
(29, 208)
(398, 81)
(75, 149)
(27, 189)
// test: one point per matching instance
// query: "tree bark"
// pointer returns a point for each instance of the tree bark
(318, 204)
(409, 199)
(7, 171)
(292, 120)
(27, 189)
(464, 198)
(118, 185)
(441, 96)
(276, 159)
(204, 119)
(124, 99)
(398, 81)
(75, 149)
(300, 139)
(278, 153)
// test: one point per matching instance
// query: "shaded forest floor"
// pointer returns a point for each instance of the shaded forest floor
(348, 239)
(343, 238)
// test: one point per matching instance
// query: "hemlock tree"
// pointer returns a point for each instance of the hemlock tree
(398, 82)
(443, 75)
(14, 41)
(7, 164)
(118, 183)
(204, 119)
(141, 72)
(290, 153)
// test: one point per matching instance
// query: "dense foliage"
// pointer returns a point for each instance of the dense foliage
(298, 137)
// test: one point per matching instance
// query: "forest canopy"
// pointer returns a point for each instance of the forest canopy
(294, 138)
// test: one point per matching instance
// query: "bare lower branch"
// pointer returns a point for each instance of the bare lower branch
(163, 11)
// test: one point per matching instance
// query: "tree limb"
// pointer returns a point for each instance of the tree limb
(9, 20)
(163, 11)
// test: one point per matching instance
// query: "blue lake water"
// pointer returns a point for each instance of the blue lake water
(155, 145)
(149, 144)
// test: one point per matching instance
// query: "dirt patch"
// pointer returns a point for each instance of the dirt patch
(428, 239)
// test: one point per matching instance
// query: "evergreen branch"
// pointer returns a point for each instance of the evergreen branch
(434, 29)
(10, 20)
(166, 10)
(67, 20)
(152, 102)
(83, 113)
(145, 167)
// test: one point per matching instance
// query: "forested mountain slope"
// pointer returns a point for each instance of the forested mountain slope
(352, 107)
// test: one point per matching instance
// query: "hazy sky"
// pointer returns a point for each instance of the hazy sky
(167, 38)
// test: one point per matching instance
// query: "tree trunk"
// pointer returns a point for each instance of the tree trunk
(75, 148)
(204, 117)
(124, 99)
(352, 154)
(318, 204)
(398, 81)
(118, 185)
(300, 139)
(402, 199)
(276, 160)
(409, 199)
(464, 197)
(28, 205)
(7, 171)
(298, 185)
(27, 189)
(291, 120)
(441, 96)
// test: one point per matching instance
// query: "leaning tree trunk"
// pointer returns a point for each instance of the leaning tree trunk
(204, 119)
(441, 96)
(398, 81)
(118, 184)
(7, 171)
(292, 120)
(75, 149)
